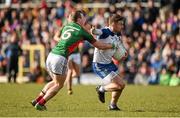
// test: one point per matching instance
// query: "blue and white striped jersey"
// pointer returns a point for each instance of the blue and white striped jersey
(105, 56)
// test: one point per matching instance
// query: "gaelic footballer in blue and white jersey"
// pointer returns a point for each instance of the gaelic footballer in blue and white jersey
(107, 36)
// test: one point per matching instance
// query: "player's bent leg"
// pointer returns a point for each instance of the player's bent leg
(42, 93)
(47, 87)
(116, 84)
(112, 87)
(114, 99)
(108, 85)
(119, 82)
(116, 94)
(40, 96)
(58, 84)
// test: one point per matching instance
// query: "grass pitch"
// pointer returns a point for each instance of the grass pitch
(137, 101)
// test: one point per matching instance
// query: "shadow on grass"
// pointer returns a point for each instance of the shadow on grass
(167, 111)
(162, 111)
(138, 110)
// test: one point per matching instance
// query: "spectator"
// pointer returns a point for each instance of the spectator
(149, 32)
(2, 64)
(175, 79)
(153, 77)
(13, 51)
(141, 77)
(164, 77)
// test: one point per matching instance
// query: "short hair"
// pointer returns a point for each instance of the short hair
(77, 14)
(116, 18)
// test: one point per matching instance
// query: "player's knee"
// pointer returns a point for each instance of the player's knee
(58, 85)
(117, 87)
(120, 86)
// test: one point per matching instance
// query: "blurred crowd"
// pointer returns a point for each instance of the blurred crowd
(151, 37)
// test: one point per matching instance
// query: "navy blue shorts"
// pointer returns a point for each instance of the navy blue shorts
(103, 70)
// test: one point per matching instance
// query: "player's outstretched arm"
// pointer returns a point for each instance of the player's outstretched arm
(104, 46)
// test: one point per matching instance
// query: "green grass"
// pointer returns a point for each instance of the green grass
(135, 101)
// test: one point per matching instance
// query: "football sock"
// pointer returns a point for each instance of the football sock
(39, 98)
(42, 101)
(101, 89)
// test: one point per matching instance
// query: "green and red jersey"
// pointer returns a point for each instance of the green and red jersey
(71, 35)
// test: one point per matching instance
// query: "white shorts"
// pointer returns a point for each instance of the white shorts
(107, 72)
(75, 57)
(56, 64)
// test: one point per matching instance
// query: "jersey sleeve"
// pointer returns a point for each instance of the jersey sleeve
(87, 36)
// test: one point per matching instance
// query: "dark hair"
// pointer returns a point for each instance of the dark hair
(116, 18)
(77, 14)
